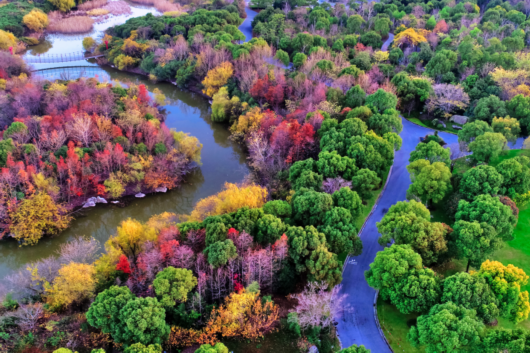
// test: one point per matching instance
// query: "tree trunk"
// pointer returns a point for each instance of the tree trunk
(467, 268)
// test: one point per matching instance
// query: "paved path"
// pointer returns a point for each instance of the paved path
(360, 327)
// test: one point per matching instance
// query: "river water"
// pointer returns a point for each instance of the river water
(222, 160)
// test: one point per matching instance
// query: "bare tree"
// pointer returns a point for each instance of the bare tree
(448, 99)
(80, 250)
(28, 315)
(319, 307)
(81, 129)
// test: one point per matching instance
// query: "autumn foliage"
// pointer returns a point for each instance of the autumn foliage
(92, 139)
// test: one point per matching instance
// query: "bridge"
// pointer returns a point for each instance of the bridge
(60, 58)
(72, 73)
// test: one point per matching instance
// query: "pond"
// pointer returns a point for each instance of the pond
(222, 159)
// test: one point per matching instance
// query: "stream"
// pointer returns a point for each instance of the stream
(222, 160)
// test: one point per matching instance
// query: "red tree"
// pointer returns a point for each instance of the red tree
(123, 265)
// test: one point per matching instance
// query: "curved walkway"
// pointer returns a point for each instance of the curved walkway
(360, 326)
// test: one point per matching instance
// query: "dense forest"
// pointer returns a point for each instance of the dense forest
(317, 98)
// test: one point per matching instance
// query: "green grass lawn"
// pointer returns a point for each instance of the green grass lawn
(414, 117)
(396, 325)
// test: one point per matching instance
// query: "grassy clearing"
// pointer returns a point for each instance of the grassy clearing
(461, 165)
(415, 118)
(396, 325)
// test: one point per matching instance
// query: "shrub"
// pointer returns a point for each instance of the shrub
(36, 20)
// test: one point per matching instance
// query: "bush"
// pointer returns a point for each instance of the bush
(36, 20)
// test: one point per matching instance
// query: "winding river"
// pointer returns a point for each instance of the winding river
(222, 160)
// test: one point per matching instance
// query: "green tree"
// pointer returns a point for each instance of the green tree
(355, 97)
(429, 181)
(308, 180)
(298, 167)
(104, 312)
(324, 266)
(173, 284)
(471, 292)
(6, 147)
(389, 121)
(282, 56)
(472, 130)
(341, 235)
(372, 152)
(371, 39)
(355, 23)
(413, 92)
(431, 22)
(515, 175)
(503, 340)
(269, 229)
(488, 209)
(309, 206)
(144, 321)
(355, 349)
(331, 165)
(353, 126)
(519, 108)
(348, 199)
(299, 59)
(215, 231)
(417, 291)
(218, 348)
(220, 252)
(389, 266)
(443, 62)
(140, 348)
(489, 107)
(409, 223)
(382, 100)
(447, 328)
(431, 151)
(482, 179)
(338, 46)
(278, 208)
(487, 147)
(475, 241)
(302, 242)
(365, 181)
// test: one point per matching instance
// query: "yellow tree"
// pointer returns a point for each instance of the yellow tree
(7, 39)
(36, 20)
(232, 198)
(381, 56)
(247, 123)
(75, 282)
(217, 77)
(509, 127)
(506, 283)
(512, 82)
(131, 237)
(188, 145)
(411, 37)
(35, 216)
(244, 315)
